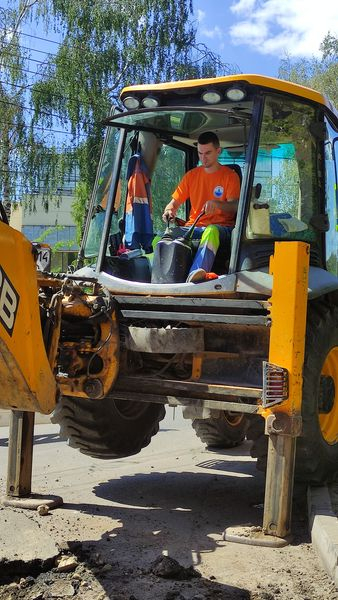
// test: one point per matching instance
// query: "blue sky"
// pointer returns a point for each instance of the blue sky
(257, 34)
(254, 35)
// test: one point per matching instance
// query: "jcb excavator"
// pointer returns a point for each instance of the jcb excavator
(106, 348)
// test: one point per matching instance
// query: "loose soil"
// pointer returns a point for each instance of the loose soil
(151, 528)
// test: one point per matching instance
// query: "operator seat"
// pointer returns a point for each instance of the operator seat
(221, 262)
(237, 170)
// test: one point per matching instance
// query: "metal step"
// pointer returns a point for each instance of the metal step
(206, 310)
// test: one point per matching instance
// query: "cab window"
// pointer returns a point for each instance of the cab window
(285, 193)
(331, 193)
(169, 170)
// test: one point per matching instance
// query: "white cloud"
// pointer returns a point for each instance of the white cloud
(215, 32)
(295, 27)
(200, 15)
(242, 6)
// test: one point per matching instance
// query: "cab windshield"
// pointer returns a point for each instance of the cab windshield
(167, 143)
(282, 200)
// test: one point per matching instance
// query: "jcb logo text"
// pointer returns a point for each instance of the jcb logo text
(9, 302)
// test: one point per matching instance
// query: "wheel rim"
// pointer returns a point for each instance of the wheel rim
(329, 421)
(233, 419)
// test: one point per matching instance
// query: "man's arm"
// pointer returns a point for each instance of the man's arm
(230, 206)
(170, 210)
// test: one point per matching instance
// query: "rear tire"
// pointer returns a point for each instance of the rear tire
(107, 428)
(317, 447)
(259, 448)
(226, 431)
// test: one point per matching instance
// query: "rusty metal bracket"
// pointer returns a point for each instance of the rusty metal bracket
(283, 424)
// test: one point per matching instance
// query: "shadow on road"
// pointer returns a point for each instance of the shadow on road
(182, 515)
(179, 515)
(48, 438)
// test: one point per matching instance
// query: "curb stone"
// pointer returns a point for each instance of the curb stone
(323, 524)
(5, 416)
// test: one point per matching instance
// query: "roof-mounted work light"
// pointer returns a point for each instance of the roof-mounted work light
(235, 93)
(131, 102)
(150, 102)
(211, 96)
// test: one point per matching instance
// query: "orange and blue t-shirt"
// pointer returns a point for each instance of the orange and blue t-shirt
(200, 186)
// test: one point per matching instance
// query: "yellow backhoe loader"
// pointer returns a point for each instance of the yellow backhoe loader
(253, 352)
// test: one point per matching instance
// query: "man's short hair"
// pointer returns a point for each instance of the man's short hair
(209, 137)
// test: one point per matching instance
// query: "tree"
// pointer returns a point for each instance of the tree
(30, 162)
(106, 45)
(13, 136)
(320, 74)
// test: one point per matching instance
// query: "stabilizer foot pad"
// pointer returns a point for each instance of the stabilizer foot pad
(33, 501)
(254, 536)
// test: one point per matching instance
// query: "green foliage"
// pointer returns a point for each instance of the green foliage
(62, 244)
(105, 45)
(58, 249)
(319, 74)
(329, 47)
(286, 188)
(30, 161)
(13, 135)
(170, 167)
(44, 235)
(82, 195)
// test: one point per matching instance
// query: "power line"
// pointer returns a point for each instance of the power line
(21, 87)
(45, 129)
(23, 107)
(62, 182)
(28, 48)
(29, 71)
(36, 37)
(36, 190)
(40, 62)
(40, 92)
(65, 178)
(70, 151)
(48, 149)
(66, 183)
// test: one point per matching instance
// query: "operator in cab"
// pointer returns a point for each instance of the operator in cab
(211, 187)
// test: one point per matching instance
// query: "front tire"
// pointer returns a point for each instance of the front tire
(226, 431)
(107, 428)
(317, 447)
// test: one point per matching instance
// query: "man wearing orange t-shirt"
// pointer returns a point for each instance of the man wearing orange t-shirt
(214, 188)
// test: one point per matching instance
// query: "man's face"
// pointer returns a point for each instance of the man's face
(208, 154)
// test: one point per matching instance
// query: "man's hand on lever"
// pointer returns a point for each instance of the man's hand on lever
(170, 211)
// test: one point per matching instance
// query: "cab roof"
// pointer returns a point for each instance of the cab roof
(272, 83)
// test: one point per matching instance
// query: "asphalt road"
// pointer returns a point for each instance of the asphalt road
(173, 499)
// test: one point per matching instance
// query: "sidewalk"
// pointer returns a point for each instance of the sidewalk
(323, 525)
(5, 416)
